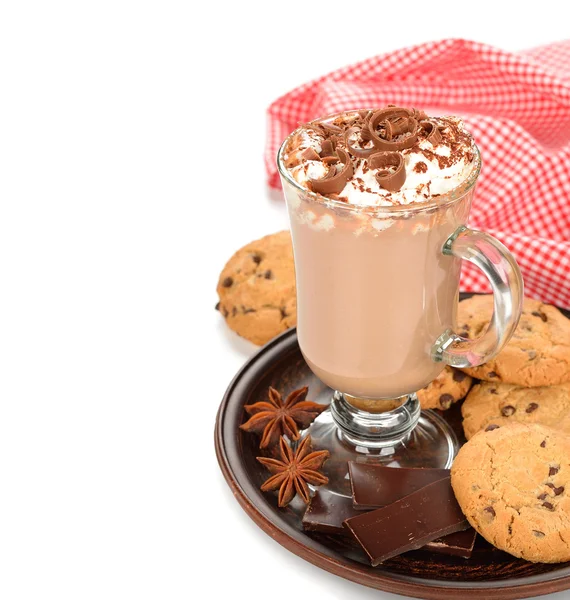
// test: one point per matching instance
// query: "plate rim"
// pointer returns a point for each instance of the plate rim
(395, 583)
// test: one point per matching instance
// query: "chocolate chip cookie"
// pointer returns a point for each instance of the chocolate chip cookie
(448, 387)
(492, 405)
(537, 354)
(511, 484)
(257, 289)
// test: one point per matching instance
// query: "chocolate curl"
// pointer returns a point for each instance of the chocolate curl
(392, 116)
(431, 132)
(333, 182)
(393, 178)
(364, 132)
(358, 152)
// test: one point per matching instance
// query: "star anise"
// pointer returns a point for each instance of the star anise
(296, 469)
(275, 418)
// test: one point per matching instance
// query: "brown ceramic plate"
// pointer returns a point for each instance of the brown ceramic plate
(488, 574)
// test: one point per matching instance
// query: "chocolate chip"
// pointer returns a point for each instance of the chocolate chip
(268, 274)
(553, 470)
(557, 490)
(543, 444)
(446, 400)
(548, 505)
(491, 511)
(532, 355)
(492, 374)
(234, 311)
(491, 427)
(537, 313)
(248, 310)
(256, 258)
(284, 313)
(531, 407)
(225, 311)
(508, 410)
(217, 307)
(459, 376)
(543, 496)
(538, 534)
(494, 391)
(227, 282)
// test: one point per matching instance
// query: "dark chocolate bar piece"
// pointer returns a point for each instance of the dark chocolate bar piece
(460, 543)
(410, 523)
(374, 486)
(327, 511)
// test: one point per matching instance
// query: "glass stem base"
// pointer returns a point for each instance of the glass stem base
(403, 437)
(375, 429)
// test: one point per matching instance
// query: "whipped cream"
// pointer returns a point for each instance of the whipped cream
(432, 169)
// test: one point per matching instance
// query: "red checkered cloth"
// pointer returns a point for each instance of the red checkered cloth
(518, 108)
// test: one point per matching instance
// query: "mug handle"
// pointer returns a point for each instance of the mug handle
(506, 280)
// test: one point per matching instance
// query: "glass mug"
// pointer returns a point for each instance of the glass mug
(377, 296)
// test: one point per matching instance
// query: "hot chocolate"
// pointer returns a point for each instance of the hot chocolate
(373, 196)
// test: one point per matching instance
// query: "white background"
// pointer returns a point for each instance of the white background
(131, 140)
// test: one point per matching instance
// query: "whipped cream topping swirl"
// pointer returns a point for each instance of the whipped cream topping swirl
(391, 156)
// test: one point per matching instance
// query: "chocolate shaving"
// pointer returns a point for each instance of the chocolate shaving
(333, 182)
(391, 173)
(432, 133)
(419, 115)
(330, 127)
(316, 127)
